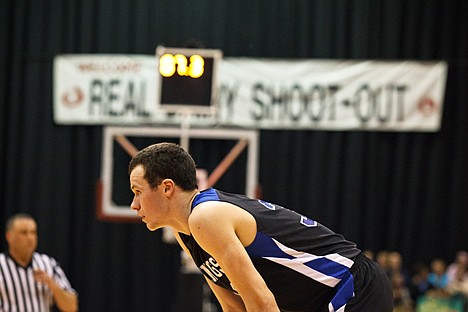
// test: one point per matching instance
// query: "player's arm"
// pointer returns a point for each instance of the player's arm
(223, 230)
(228, 300)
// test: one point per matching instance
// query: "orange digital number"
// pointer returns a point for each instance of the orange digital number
(169, 64)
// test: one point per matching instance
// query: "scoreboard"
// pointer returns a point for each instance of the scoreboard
(187, 79)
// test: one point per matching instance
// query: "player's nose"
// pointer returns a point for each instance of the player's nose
(135, 205)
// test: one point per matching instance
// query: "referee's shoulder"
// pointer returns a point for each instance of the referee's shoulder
(40, 256)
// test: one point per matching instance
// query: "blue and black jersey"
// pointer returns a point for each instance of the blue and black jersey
(304, 264)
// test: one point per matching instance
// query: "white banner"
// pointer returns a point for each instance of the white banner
(258, 93)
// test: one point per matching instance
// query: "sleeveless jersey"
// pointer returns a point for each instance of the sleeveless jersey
(304, 264)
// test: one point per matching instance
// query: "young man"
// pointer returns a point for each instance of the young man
(30, 281)
(256, 256)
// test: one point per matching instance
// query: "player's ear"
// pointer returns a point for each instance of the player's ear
(168, 186)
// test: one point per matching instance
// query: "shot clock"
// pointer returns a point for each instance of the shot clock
(187, 79)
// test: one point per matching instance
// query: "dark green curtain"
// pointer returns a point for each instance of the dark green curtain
(399, 191)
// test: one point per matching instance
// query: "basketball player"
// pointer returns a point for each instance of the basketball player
(255, 255)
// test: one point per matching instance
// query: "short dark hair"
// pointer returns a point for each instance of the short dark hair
(13, 218)
(166, 161)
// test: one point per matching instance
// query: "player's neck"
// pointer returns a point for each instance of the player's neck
(185, 205)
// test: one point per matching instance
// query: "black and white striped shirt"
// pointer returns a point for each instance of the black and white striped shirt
(19, 291)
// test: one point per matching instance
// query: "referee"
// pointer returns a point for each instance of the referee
(30, 281)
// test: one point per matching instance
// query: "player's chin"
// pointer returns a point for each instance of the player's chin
(152, 227)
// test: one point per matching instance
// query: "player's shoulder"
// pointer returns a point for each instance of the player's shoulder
(216, 214)
(212, 209)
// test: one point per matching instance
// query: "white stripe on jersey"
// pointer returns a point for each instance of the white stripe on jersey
(331, 309)
(306, 257)
(300, 257)
(305, 270)
(340, 259)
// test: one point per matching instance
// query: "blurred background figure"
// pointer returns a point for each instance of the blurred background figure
(419, 281)
(382, 260)
(457, 274)
(395, 266)
(402, 300)
(369, 254)
(458, 269)
(438, 276)
(31, 281)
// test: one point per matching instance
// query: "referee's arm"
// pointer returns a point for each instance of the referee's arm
(65, 300)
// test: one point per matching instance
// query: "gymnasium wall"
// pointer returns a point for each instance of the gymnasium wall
(384, 190)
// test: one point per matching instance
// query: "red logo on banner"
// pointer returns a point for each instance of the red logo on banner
(427, 106)
(72, 97)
